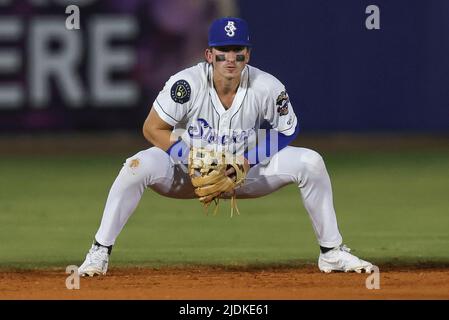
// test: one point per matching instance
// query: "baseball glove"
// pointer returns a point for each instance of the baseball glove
(207, 171)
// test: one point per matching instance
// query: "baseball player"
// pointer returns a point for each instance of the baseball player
(223, 102)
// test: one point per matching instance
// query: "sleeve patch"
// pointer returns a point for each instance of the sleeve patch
(282, 103)
(180, 91)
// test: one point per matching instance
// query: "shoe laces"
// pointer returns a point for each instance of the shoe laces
(96, 254)
(343, 247)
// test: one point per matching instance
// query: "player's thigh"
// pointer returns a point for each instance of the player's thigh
(291, 165)
(154, 169)
(179, 186)
(147, 167)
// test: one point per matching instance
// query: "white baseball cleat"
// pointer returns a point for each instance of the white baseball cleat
(339, 259)
(96, 262)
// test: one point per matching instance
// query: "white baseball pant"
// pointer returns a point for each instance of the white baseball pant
(153, 168)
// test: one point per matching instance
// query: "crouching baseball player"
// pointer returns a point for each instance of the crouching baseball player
(204, 126)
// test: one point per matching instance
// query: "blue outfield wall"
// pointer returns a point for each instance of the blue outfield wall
(342, 76)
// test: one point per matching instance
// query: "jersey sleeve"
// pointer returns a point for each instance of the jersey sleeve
(175, 99)
(279, 111)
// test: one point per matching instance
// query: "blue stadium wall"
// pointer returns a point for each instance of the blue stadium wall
(342, 76)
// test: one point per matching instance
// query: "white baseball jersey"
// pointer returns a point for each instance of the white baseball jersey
(189, 101)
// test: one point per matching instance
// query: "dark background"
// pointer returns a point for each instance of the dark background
(340, 76)
(345, 77)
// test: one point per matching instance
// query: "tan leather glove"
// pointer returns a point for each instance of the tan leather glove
(208, 173)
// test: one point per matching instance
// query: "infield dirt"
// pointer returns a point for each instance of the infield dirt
(216, 283)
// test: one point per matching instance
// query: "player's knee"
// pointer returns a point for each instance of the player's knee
(312, 157)
(145, 163)
(310, 160)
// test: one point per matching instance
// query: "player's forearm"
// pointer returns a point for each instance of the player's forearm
(160, 138)
(157, 132)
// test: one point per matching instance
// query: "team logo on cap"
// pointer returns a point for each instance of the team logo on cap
(230, 29)
(180, 91)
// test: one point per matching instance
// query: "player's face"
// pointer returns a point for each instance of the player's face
(228, 61)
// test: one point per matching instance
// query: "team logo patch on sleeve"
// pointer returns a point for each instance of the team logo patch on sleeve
(180, 91)
(282, 103)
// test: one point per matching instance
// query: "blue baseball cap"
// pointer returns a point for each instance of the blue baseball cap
(229, 31)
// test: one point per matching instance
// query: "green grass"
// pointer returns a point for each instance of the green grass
(391, 207)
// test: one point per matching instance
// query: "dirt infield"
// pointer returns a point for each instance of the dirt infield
(218, 283)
